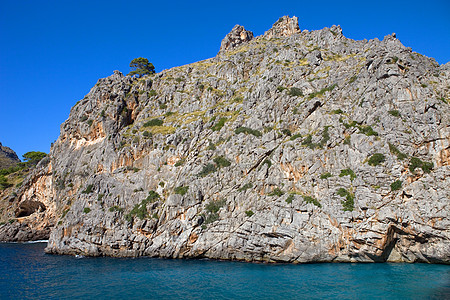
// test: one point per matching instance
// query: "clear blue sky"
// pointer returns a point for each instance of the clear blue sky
(53, 52)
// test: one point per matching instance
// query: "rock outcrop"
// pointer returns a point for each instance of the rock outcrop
(8, 157)
(284, 27)
(305, 148)
(29, 212)
(237, 36)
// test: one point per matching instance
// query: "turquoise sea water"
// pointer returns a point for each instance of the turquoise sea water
(27, 273)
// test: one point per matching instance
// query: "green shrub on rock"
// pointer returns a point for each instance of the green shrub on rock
(181, 190)
(348, 172)
(219, 124)
(417, 163)
(221, 161)
(349, 203)
(153, 122)
(207, 169)
(247, 130)
(276, 192)
(309, 199)
(376, 159)
(396, 185)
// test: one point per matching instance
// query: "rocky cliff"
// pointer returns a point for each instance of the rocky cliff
(8, 157)
(293, 146)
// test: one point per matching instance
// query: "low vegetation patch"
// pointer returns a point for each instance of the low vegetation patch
(219, 124)
(293, 91)
(249, 213)
(221, 161)
(212, 210)
(290, 198)
(4, 184)
(322, 91)
(207, 169)
(349, 203)
(153, 122)
(394, 113)
(115, 208)
(325, 175)
(286, 131)
(245, 187)
(309, 199)
(397, 152)
(247, 130)
(367, 130)
(325, 138)
(181, 190)
(396, 185)
(376, 159)
(295, 136)
(417, 163)
(180, 162)
(88, 189)
(348, 172)
(140, 210)
(87, 210)
(276, 192)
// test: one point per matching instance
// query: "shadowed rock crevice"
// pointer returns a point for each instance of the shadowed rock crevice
(28, 207)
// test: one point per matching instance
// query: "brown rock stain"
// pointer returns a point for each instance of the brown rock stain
(193, 238)
(173, 160)
(292, 173)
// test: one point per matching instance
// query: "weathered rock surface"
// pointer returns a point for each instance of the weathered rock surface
(236, 37)
(284, 27)
(28, 214)
(293, 147)
(8, 157)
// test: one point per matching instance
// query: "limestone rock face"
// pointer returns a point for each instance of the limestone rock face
(8, 157)
(284, 27)
(308, 147)
(31, 208)
(237, 36)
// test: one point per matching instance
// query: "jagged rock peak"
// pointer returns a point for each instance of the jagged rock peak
(285, 26)
(237, 36)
